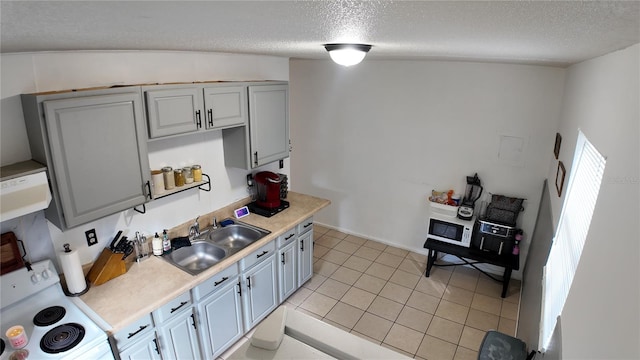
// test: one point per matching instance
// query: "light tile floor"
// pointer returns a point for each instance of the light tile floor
(380, 293)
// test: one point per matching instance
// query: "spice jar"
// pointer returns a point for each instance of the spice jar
(178, 176)
(196, 170)
(168, 177)
(188, 175)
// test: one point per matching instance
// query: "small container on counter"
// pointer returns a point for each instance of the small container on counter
(178, 177)
(17, 337)
(196, 170)
(188, 175)
(156, 244)
(166, 243)
(167, 175)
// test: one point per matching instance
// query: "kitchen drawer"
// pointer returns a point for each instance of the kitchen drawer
(305, 226)
(134, 331)
(216, 282)
(262, 253)
(173, 307)
(286, 238)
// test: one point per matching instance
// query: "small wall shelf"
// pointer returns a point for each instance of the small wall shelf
(204, 185)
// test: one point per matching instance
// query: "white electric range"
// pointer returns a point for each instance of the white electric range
(55, 327)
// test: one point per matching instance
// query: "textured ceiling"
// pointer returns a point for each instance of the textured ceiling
(538, 32)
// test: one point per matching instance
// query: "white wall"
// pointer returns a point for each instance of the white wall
(37, 72)
(376, 138)
(601, 318)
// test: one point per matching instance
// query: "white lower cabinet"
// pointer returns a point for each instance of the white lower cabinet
(287, 271)
(145, 349)
(220, 312)
(179, 337)
(137, 341)
(177, 329)
(260, 295)
(305, 251)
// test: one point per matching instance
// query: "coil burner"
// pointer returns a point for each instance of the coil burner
(62, 338)
(49, 316)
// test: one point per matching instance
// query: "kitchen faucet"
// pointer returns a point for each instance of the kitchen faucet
(194, 230)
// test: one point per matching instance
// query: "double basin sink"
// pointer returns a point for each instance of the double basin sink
(213, 245)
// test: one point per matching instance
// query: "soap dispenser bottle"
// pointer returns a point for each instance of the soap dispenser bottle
(157, 245)
(166, 244)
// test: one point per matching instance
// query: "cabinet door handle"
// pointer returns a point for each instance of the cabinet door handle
(301, 245)
(290, 236)
(137, 331)
(193, 321)
(263, 254)
(249, 282)
(216, 283)
(155, 341)
(255, 158)
(307, 225)
(198, 119)
(282, 258)
(210, 116)
(148, 186)
(239, 289)
(179, 306)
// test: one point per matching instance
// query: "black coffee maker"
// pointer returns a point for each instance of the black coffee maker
(471, 195)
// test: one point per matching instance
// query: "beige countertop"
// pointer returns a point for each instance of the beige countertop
(150, 284)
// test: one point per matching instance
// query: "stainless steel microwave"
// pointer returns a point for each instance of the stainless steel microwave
(451, 229)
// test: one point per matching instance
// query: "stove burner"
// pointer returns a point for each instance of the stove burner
(49, 316)
(62, 338)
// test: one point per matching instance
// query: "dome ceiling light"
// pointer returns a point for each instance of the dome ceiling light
(347, 54)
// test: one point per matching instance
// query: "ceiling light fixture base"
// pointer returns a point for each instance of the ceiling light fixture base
(347, 54)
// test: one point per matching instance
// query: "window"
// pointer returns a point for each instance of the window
(582, 192)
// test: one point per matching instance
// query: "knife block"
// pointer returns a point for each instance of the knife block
(109, 265)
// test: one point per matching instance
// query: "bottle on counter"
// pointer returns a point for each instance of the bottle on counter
(196, 170)
(156, 244)
(166, 243)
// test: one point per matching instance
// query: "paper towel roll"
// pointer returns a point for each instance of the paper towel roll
(72, 269)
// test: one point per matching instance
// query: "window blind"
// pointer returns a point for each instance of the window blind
(580, 200)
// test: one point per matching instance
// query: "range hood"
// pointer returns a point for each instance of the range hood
(24, 189)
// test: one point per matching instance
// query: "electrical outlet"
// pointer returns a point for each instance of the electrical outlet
(249, 180)
(281, 164)
(92, 239)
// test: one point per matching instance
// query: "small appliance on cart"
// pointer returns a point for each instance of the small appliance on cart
(471, 194)
(40, 322)
(496, 231)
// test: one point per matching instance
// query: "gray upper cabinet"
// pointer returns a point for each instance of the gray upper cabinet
(172, 111)
(225, 106)
(267, 137)
(187, 108)
(94, 145)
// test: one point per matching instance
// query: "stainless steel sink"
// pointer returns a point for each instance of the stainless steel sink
(236, 236)
(213, 245)
(196, 258)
